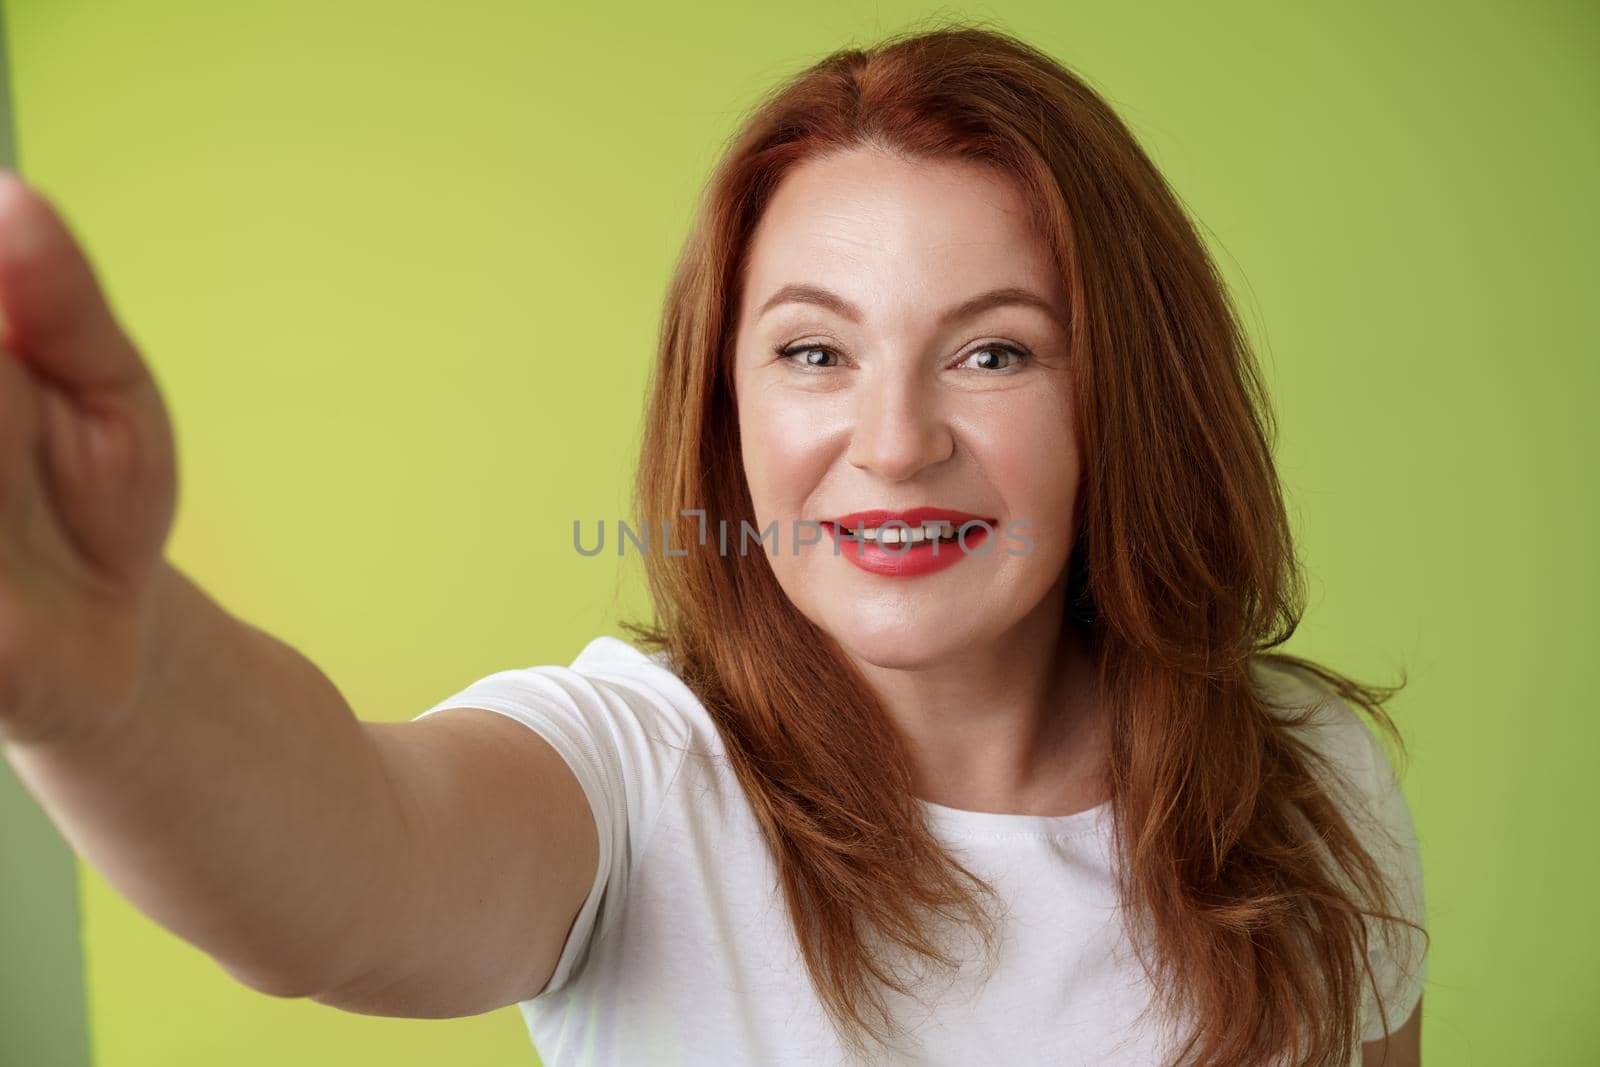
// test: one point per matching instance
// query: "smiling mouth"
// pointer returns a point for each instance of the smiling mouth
(925, 525)
(923, 533)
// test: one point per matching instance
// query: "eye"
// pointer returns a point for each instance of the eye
(805, 349)
(987, 354)
(991, 351)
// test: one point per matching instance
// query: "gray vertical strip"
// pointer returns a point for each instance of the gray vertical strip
(42, 1017)
(8, 145)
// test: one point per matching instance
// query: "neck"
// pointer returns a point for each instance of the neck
(1013, 725)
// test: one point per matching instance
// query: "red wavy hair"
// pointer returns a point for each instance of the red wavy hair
(1252, 890)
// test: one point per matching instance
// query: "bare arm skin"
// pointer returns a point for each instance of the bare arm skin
(1402, 1048)
(213, 774)
(504, 850)
(236, 800)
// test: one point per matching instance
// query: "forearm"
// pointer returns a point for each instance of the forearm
(237, 801)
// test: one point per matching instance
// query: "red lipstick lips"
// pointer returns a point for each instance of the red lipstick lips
(904, 560)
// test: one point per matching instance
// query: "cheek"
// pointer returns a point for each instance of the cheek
(1028, 451)
(783, 443)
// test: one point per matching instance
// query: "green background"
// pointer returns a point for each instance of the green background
(398, 267)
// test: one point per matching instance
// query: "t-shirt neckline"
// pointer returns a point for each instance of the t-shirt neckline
(959, 821)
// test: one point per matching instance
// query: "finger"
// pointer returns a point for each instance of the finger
(54, 315)
(19, 429)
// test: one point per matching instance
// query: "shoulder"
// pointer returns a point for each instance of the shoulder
(613, 658)
(1369, 793)
(1319, 715)
(1361, 776)
(648, 684)
(1346, 747)
(622, 719)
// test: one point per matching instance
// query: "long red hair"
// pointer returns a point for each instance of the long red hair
(1251, 892)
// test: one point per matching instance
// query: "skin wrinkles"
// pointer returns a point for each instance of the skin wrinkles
(996, 705)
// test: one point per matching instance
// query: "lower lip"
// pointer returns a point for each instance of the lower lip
(903, 562)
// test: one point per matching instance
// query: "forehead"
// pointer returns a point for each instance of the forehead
(889, 230)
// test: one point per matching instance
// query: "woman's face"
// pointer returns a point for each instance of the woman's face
(890, 400)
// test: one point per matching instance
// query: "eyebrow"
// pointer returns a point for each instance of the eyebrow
(815, 294)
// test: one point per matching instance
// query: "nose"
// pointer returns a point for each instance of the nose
(899, 429)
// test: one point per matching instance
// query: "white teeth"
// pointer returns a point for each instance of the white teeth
(894, 535)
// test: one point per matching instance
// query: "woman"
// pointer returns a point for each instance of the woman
(989, 707)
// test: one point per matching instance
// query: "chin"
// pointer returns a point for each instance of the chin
(917, 646)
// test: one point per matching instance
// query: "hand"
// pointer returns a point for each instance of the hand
(88, 485)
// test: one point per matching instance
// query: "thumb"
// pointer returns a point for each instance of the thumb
(53, 314)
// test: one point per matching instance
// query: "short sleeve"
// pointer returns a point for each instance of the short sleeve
(622, 721)
(1368, 792)
(1397, 953)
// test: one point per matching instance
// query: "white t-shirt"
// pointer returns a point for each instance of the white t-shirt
(683, 951)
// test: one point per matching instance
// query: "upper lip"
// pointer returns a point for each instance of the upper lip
(855, 520)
